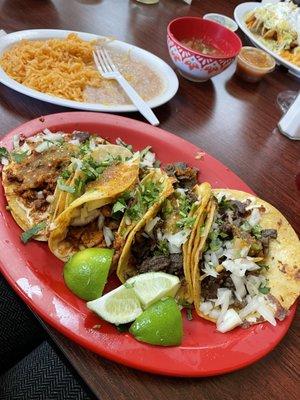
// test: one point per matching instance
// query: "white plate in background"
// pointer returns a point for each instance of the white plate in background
(166, 73)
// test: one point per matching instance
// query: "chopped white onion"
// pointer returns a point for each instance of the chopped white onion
(40, 148)
(92, 144)
(229, 321)
(175, 241)
(214, 259)
(209, 270)
(254, 217)
(25, 149)
(206, 307)
(40, 194)
(239, 266)
(100, 223)
(250, 308)
(151, 224)
(75, 142)
(52, 226)
(267, 313)
(52, 136)
(77, 163)
(50, 198)
(159, 234)
(4, 161)
(239, 283)
(181, 191)
(127, 220)
(16, 141)
(108, 236)
(253, 282)
(148, 160)
(214, 313)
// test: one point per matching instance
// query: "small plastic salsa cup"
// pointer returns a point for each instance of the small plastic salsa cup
(253, 64)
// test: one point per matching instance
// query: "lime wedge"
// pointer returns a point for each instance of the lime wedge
(86, 272)
(152, 286)
(160, 324)
(119, 306)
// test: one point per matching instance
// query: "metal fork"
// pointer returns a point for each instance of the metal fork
(108, 70)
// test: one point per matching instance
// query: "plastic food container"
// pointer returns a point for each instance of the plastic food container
(253, 64)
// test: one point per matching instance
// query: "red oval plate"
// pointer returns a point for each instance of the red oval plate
(36, 275)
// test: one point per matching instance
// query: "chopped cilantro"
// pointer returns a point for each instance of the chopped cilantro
(256, 231)
(215, 244)
(225, 204)
(65, 188)
(223, 235)
(85, 148)
(186, 222)
(162, 248)
(256, 247)
(4, 152)
(246, 226)
(264, 289)
(27, 235)
(18, 157)
(167, 208)
(265, 266)
(66, 174)
(78, 186)
(150, 193)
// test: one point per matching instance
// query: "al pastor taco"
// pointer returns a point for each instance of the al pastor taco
(32, 171)
(246, 262)
(88, 220)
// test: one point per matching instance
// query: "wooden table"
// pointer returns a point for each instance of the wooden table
(232, 120)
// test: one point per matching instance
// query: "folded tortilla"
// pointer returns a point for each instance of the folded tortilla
(168, 243)
(278, 263)
(83, 216)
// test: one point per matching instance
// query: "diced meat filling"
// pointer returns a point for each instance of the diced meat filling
(185, 176)
(38, 174)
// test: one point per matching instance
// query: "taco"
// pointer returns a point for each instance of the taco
(246, 262)
(31, 173)
(159, 242)
(88, 220)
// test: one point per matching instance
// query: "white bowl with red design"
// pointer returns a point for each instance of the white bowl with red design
(192, 64)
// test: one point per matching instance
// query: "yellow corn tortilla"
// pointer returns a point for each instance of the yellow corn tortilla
(125, 269)
(105, 190)
(283, 258)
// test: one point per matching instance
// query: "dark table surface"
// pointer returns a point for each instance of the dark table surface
(232, 120)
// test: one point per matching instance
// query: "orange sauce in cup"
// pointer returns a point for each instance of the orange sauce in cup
(253, 64)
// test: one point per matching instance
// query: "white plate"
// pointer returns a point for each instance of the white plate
(239, 15)
(166, 73)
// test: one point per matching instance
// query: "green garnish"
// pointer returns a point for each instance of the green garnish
(162, 248)
(167, 208)
(65, 188)
(150, 193)
(265, 266)
(246, 226)
(18, 157)
(4, 152)
(256, 231)
(225, 204)
(215, 244)
(201, 230)
(186, 222)
(78, 186)
(27, 235)
(119, 206)
(92, 169)
(66, 174)
(264, 289)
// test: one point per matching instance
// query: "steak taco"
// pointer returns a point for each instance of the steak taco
(88, 220)
(246, 262)
(31, 173)
(159, 242)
